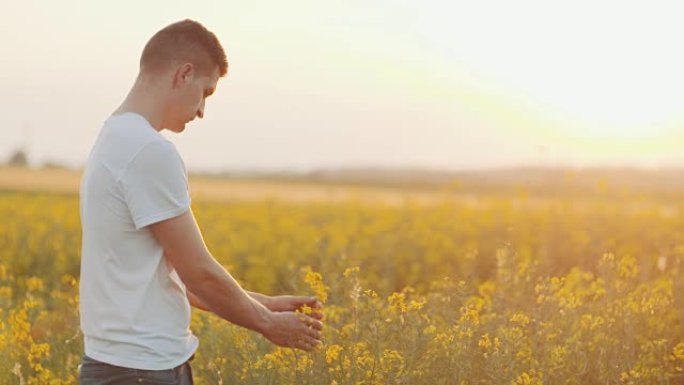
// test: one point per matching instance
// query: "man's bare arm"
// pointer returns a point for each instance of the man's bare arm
(195, 301)
(263, 299)
(218, 291)
(275, 303)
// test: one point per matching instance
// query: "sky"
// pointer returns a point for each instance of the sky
(425, 84)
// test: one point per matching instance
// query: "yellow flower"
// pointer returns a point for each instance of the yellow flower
(36, 353)
(332, 353)
(5, 292)
(484, 341)
(627, 267)
(520, 318)
(34, 284)
(416, 305)
(392, 361)
(304, 362)
(69, 280)
(678, 351)
(396, 302)
(531, 378)
(305, 309)
(349, 271)
(315, 282)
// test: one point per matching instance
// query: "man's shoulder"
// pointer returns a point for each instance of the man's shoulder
(158, 151)
(127, 140)
(132, 128)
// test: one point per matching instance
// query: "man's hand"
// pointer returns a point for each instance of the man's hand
(294, 330)
(295, 302)
(289, 303)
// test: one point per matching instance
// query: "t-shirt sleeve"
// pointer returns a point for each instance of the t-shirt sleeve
(155, 184)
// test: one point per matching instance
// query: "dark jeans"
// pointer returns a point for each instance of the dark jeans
(93, 372)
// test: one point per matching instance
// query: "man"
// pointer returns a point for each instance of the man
(144, 262)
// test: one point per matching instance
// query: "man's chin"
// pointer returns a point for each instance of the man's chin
(178, 128)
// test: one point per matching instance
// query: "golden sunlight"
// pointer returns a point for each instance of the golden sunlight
(585, 70)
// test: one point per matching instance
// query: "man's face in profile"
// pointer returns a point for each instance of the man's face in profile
(189, 97)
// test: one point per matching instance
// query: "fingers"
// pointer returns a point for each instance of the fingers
(303, 343)
(293, 302)
(307, 343)
(310, 333)
(316, 315)
(312, 322)
(311, 327)
(313, 333)
(297, 330)
(311, 302)
(315, 303)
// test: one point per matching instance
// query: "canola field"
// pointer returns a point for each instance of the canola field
(500, 290)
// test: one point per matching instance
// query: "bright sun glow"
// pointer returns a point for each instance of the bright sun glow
(598, 69)
(430, 83)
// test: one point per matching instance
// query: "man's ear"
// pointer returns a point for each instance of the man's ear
(184, 74)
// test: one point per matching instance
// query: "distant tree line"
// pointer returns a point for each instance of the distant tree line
(18, 159)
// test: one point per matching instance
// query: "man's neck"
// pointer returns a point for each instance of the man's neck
(144, 100)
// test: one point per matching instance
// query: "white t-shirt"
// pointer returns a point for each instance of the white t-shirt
(134, 308)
